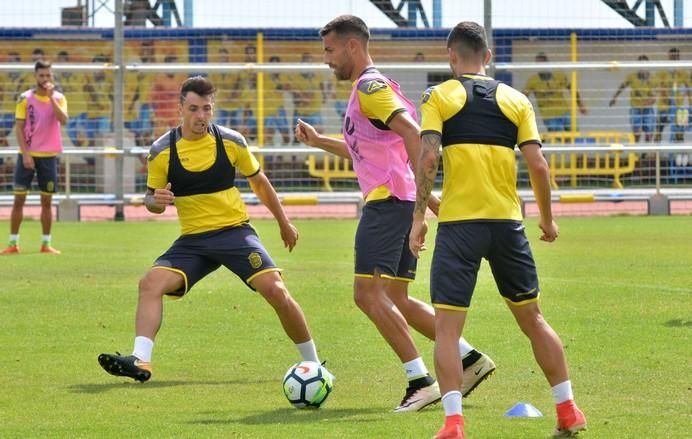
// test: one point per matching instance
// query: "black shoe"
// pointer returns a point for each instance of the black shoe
(125, 366)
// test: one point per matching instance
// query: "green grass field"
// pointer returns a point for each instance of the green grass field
(618, 290)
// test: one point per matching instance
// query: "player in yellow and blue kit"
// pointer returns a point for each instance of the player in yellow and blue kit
(195, 164)
(550, 90)
(478, 121)
(642, 99)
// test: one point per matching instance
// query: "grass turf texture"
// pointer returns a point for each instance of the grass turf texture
(618, 290)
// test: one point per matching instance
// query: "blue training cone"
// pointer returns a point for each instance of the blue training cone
(524, 410)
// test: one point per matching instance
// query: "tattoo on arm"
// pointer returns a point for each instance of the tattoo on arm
(427, 170)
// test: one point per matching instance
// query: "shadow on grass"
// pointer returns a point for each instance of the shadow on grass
(103, 387)
(678, 323)
(294, 416)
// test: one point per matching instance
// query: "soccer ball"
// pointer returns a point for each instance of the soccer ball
(307, 384)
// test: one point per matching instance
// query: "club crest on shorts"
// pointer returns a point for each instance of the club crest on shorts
(255, 260)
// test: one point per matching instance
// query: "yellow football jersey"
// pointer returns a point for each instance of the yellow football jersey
(642, 90)
(672, 88)
(309, 91)
(550, 94)
(478, 142)
(204, 212)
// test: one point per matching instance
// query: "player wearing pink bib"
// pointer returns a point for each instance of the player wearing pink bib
(381, 135)
(378, 153)
(40, 113)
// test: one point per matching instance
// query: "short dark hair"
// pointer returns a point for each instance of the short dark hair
(468, 40)
(674, 50)
(63, 53)
(42, 64)
(196, 84)
(38, 51)
(643, 58)
(344, 25)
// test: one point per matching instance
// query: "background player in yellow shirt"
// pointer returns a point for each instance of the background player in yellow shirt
(673, 87)
(551, 91)
(479, 121)
(642, 99)
(195, 165)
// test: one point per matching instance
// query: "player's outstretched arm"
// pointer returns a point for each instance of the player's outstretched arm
(264, 190)
(617, 93)
(308, 135)
(539, 172)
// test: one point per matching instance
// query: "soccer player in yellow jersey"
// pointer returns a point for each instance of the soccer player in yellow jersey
(195, 165)
(642, 99)
(72, 85)
(673, 87)
(381, 136)
(478, 121)
(551, 91)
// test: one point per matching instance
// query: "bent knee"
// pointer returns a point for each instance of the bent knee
(156, 283)
(277, 295)
(367, 299)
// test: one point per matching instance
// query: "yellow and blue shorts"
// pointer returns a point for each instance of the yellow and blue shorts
(459, 248)
(382, 240)
(237, 248)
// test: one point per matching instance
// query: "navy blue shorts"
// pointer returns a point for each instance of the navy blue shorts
(382, 240)
(459, 248)
(237, 248)
(45, 168)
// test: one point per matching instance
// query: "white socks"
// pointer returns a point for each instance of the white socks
(562, 392)
(308, 351)
(143, 348)
(464, 347)
(451, 401)
(415, 369)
